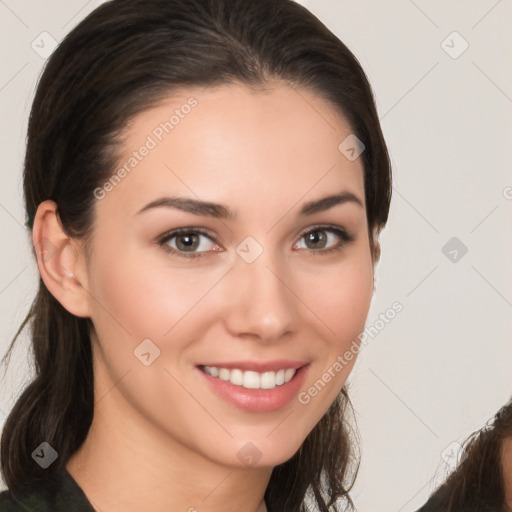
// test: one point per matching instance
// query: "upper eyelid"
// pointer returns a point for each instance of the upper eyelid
(202, 231)
(178, 231)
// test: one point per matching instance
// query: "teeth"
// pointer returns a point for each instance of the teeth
(268, 380)
(224, 374)
(236, 377)
(288, 374)
(250, 379)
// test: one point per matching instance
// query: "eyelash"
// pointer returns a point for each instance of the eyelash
(346, 238)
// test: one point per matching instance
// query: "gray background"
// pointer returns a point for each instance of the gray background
(442, 367)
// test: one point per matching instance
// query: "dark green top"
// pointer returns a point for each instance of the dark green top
(59, 493)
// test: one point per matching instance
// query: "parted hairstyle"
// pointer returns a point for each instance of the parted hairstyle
(122, 59)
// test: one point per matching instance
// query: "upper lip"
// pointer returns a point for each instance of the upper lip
(259, 366)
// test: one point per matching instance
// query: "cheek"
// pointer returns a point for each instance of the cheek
(341, 297)
(135, 297)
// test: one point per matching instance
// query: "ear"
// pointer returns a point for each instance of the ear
(60, 260)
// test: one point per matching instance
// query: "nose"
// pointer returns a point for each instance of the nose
(262, 303)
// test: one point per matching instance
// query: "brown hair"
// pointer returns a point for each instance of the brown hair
(478, 482)
(123, 58)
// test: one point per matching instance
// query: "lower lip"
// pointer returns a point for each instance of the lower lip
(258, 400)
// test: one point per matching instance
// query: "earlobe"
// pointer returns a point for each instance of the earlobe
(60, 260)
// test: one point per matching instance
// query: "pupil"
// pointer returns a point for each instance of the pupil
(317, 236)
(189, 243)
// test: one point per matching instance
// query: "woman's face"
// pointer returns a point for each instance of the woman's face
(277, 290)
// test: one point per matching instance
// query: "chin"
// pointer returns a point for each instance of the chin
(266, 452)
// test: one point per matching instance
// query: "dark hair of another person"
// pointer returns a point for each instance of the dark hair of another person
(122, 59)
(478, 482)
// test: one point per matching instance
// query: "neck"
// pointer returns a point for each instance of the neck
(132, 465)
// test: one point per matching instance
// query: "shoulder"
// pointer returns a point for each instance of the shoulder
(32, 501)
(6, 502)
(438, 502)
(57, 493)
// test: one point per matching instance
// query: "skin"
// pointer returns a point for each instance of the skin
(161, 439)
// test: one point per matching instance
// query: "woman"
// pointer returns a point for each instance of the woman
(483, 480)
(205, 183)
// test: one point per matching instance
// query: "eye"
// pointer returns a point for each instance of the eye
(319, 239)
(187, 242)
(193, 243)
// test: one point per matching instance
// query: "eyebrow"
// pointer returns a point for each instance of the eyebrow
(219, 211)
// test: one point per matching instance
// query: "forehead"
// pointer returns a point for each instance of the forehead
(245, 147)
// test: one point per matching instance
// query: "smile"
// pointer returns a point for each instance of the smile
(251, 379)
